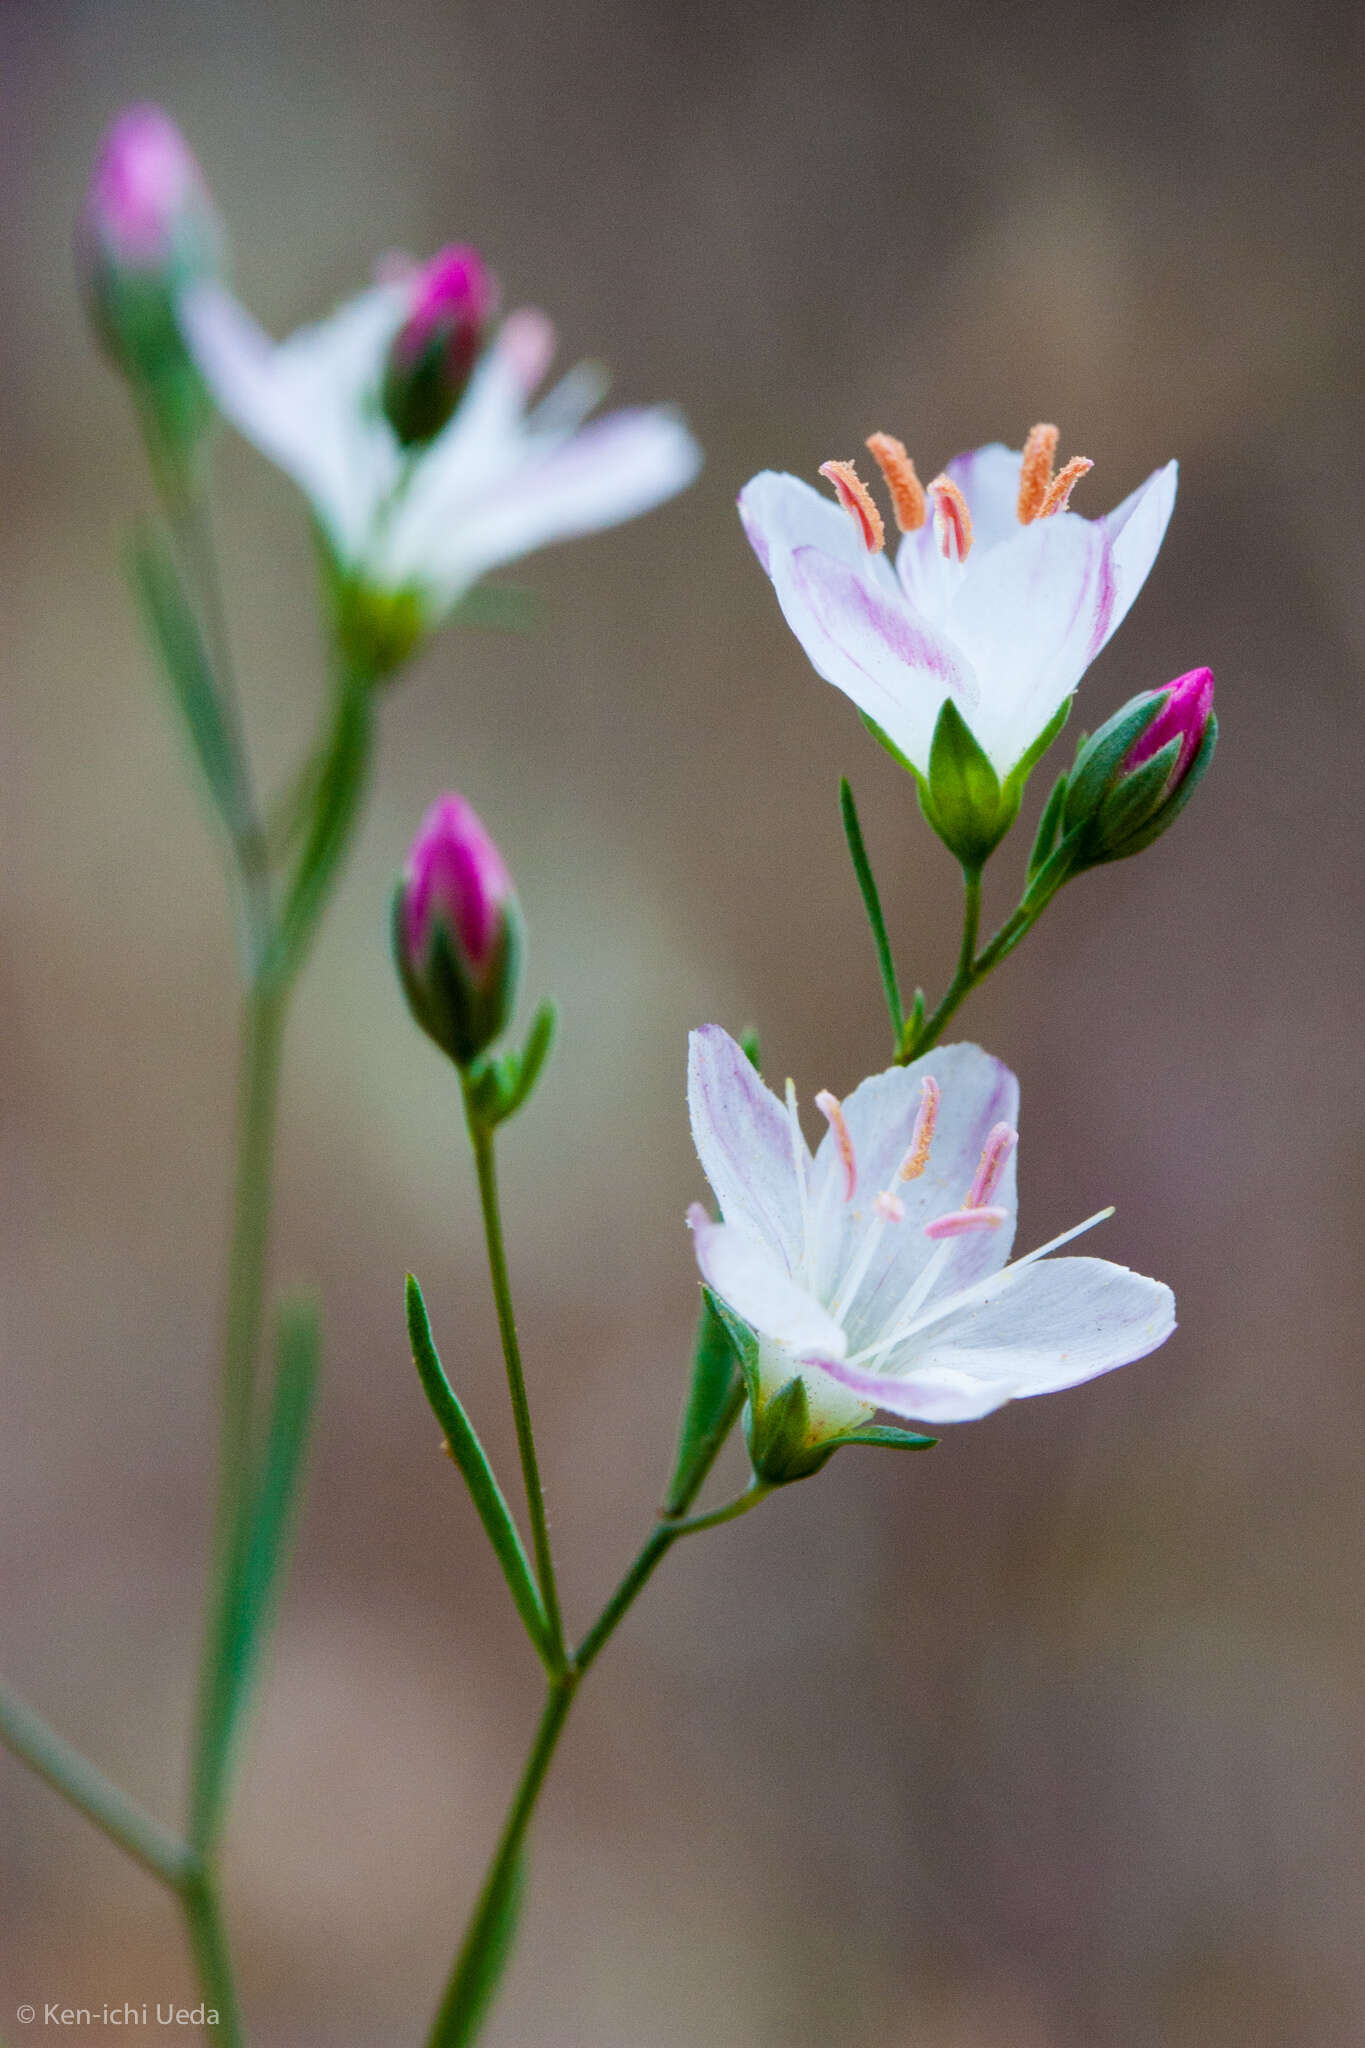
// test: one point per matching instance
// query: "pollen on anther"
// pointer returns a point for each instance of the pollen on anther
(1063, 484)
(907, 492)
(995, 1153)
(858, 502)
(1035, 471)
(958, 1222)
(922, 1136)
(952, 520)
(890, 1207)
(832, 1110)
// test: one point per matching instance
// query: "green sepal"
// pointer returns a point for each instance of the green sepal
(469, 1455)
(749, 1046)
(1135, 798)
(1049, 825)
(780, 1449)
(377, 631)
(962, 796)
(744, 1341)
(884, 739)
(1099, 758)
(499, 1087)
(1029, 759)
(884, 1434)
(1167, 813)
(174, 631)
(717, 1380)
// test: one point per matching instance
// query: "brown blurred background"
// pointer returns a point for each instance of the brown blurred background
(1051, 1739)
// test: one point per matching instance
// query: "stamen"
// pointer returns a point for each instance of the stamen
(890, 1207)
(832, 1109)
(999, 1144)
(909, 1322)
(907, 492)
(952, 520)
(959, 1221)
(922, 1137)
(1063, 484)
(1035, 471)
(858, 502)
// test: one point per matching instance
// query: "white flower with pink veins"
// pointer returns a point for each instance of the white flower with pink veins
(1000, 598)
(878, 1271)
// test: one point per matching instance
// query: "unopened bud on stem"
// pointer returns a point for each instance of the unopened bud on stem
(432, 356)
(457, 932)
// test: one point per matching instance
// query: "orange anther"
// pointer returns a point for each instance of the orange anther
(1063, 484)
(857, 501)
(907, 492)
(952, 520)
(832, 1110)
(1035, 472)
(922, 1136)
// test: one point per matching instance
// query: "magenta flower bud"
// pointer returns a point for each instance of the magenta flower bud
(148, 228)
(1135, 775)
(457, 932)
(1184, 716)
(432, 356)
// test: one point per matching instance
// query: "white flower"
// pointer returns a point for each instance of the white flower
(1000, 597)
(876, 1271)
(496, 482)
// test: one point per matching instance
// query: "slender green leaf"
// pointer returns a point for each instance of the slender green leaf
(713, 1401)
(872, 904)
(174, 631)
(884, 1434)
(526, 1068)
(1048, 827)
(472, 1460)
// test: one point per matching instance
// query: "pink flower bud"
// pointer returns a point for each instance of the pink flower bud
(457, 931)
(431, 358)
(148, 227)
(1184, 716)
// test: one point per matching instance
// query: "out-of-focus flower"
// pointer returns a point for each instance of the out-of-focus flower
(432, 356)
(875, 1272)
(1000, 597)
(148, 229)
(416, 526)
(1134, 777)
(457, 932)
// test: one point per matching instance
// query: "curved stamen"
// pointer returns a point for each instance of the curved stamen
(958, 1222)
(952, 520)
(1035, 471)
(1000, 1142)
(907, 492)
(799, 1157)
(858, 502)
(922, 1136)
(832, 1110)
(1063, 484)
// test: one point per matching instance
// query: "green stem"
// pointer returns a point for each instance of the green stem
(965, 977)
(481, 1138)
(29, 1737)
(262, 1044)
(482, 1952)
(474, 1977)
(212, 1956)
(872, 903)
(655, 1548)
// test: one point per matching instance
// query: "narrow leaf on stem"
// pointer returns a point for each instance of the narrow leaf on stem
(872, 904)
(468, 1453)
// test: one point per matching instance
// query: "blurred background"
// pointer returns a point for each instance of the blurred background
(1057, 1736)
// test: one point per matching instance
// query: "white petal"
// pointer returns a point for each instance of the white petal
(988, 479)
(744, 1273)
(1049, 1326)
(976, 1093)
(937, 1394)
(612, 470)
(860, 634)
(1031, 615)
(300, 403)
(1135, 531)
(744, 1140)
(780, 513)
